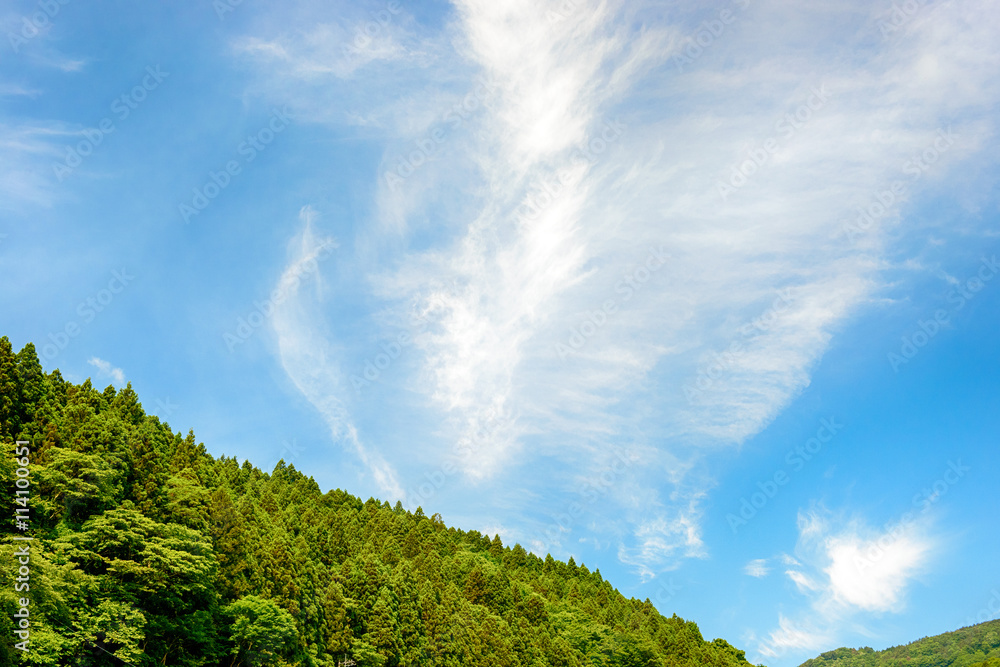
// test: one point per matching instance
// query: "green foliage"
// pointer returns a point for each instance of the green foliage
(262, 632)
(974, 646)
(119, 625)
(10, 391)
(149, 551)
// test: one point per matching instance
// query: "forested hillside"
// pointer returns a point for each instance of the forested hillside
(974, 646)
(149, 551)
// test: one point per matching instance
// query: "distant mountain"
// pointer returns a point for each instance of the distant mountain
(147, 550)
(974, 646)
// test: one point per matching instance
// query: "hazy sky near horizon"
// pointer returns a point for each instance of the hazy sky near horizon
(704, 295)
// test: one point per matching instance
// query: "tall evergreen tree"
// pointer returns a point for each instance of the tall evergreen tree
(10, 392)
(150, 550)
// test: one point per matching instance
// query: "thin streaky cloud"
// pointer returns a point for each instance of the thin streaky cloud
(501, 290)
(307, 357)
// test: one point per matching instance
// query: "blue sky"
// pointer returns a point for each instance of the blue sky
(702, 295)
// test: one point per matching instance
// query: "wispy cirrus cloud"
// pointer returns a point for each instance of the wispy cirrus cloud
(530, 225)
(790, 636)
(15, 90)
(27, 151)
(309, 359)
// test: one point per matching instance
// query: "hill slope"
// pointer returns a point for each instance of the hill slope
(977, 645)
(149, 551)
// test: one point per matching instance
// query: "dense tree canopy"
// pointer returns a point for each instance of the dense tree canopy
(149, 551)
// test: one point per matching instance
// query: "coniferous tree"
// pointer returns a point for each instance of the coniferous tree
(10, 392)
(150, 550)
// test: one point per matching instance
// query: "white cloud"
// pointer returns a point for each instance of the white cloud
(844, 569)
(864, 569)
(105, 368)
(500, 290)
(67, 64)
(803, 582)
(757, 568)
(789, 636)
(788, 560)
(667, 537)
(872, 574)
(321, 51)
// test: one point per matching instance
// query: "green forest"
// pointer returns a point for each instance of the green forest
(974, 646)
(147, 550)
